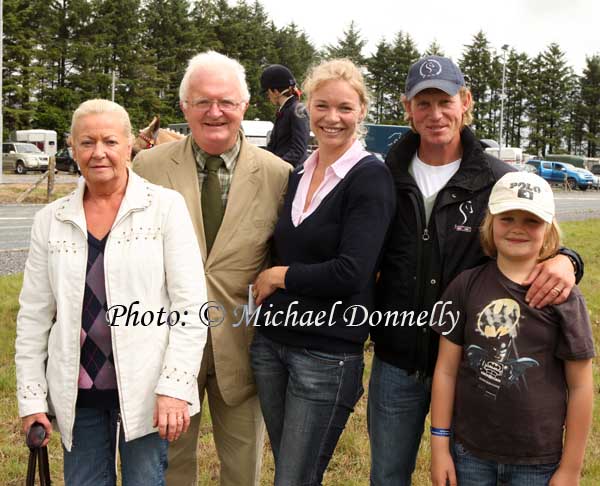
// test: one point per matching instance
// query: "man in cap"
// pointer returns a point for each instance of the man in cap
(289, 137)
(233, 191)
(443, 180)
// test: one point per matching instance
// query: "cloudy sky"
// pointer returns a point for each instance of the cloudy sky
(527, 25)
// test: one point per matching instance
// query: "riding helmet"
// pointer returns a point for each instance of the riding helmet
(277, 77)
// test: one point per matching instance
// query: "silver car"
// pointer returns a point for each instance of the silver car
(21, 157)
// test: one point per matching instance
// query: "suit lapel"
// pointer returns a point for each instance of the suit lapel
(242, 192)
(182, 173)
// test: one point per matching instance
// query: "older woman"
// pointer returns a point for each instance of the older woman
(109, 338)
(306, 355)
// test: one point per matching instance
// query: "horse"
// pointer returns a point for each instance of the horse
(153, 135)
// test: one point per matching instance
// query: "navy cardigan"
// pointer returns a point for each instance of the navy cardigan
(333, 257)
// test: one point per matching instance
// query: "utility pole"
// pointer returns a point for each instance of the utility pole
(504, 48)
(112, 89)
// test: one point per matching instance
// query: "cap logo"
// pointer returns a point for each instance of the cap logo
(525, 190)
(430, 68)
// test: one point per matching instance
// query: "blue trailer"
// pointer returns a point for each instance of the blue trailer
(380, 138)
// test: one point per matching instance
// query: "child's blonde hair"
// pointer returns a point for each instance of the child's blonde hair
(550, 246)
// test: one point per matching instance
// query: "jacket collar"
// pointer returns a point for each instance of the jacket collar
(138, 196)
(474, 172)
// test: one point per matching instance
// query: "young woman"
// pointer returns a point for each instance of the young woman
(510, 376)
(289, 137)
(307, 360)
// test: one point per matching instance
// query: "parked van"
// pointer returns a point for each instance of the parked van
(45, 140)
(511, 155)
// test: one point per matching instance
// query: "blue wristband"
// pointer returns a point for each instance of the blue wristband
(440, 432)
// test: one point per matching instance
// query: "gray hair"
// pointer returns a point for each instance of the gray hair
(99, 107)
(211, 59)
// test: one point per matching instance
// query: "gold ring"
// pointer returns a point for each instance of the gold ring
(557, 290)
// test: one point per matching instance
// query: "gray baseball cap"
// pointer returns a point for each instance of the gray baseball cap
(433, 72)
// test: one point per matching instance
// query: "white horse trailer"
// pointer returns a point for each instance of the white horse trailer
(512, 155)
(45, 140)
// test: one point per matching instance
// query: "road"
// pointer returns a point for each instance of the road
(16, 219)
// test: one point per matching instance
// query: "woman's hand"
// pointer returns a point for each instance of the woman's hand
(267, 282)
(42, 418)
(551, 282)
(172, 417)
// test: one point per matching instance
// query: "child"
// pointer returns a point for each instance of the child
(509, 376)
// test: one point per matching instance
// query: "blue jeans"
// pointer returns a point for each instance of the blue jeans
(472, 471)
(397, 407)
(306, 397)
(91, 461)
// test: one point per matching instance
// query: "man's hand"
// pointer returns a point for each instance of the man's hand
(172, 417)
(42, 418)
(551, 282)
(267, 282)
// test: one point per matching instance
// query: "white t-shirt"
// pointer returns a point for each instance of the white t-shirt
(431, 178)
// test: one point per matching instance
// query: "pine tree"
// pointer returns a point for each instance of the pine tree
(378, 78)
(349, 46)
(515, 97)
(476, 65)
(434, 49)
(590, 97)
(21, 70)
(403, 54)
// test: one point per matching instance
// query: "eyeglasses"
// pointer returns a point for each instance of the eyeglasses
(203, 104)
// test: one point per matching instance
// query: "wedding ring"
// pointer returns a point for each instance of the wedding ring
(557, 290)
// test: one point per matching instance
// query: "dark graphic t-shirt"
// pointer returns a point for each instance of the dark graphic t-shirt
(511, 393)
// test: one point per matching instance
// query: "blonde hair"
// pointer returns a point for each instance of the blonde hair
(98, 107)
(550, 246)
(213, 59)
(344, 70)
(467, 118)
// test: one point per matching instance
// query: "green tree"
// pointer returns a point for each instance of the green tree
(404, 54)
(515, 97)
(350, 45)
(379, 80)
(434, 49)
(170, 37)
(590, 98)
(476, 65)
(21, 69)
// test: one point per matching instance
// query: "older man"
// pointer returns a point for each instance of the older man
(443, 180)
(233, 191)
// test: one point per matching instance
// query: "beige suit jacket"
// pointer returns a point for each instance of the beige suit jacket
(240, 250)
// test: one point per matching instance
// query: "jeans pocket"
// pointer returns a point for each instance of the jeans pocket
(331, 358)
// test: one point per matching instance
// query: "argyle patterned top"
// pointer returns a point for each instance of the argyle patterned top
(97, 378)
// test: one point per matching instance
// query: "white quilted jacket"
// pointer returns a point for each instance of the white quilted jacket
(151, 256)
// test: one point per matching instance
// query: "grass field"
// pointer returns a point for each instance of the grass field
(350, 464)
(10, 192)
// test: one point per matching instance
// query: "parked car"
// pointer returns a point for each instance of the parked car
(22, 157)
(595, 169)
(557, 172)
(596, 182)
(65, 162)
